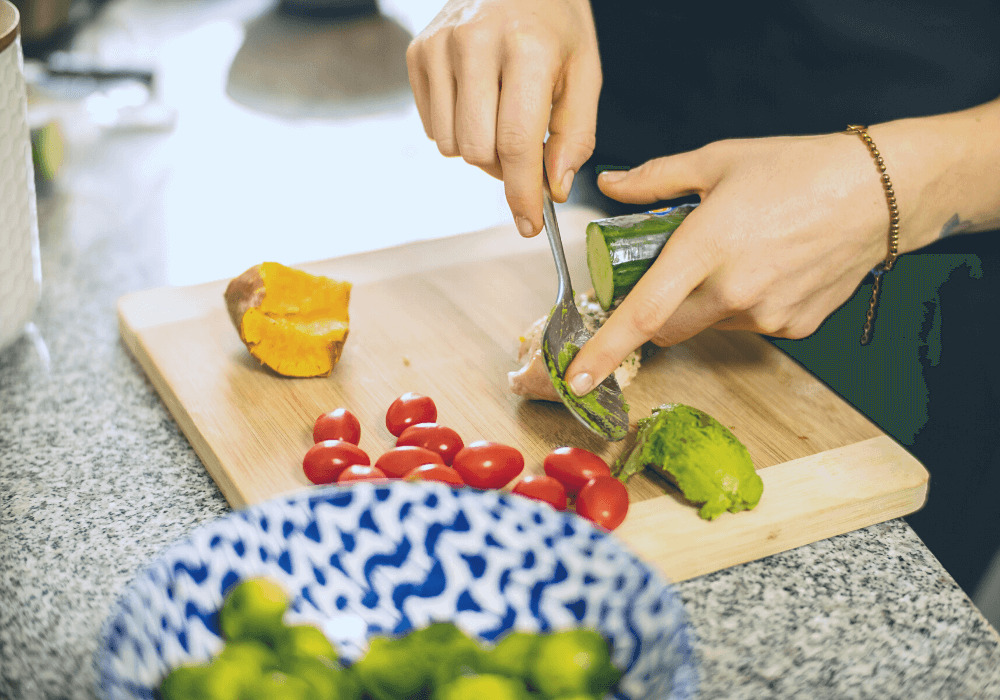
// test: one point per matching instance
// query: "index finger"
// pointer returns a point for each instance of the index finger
(527, 80)
(680, 268)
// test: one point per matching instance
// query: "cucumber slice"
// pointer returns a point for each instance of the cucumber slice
(620, 249)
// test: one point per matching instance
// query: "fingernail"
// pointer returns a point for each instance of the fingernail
(613, 175)
(567, 182)
(524, 227)
(581, 383)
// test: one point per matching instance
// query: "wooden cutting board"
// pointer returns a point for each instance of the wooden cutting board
(443, 318)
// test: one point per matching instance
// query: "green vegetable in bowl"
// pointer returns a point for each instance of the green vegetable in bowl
(184, 682)
(446, 652)
(513, 655)
(391, 670)
(263, 658)
(254, 610)
(699, 455)
(484, 687)
(425, 659)
(250, 654)
(304, 640)
(327, 681)
(442, 663)
(573, 662)
(279, 686)
(266, 659)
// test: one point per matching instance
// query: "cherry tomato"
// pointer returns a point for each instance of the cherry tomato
(361, 472)
(574, 467)
(542, 488)
(488, 465)
(604, 501)
(399, 461)
(338, 424)
(435, 472)
(409, 409)
(434, 437)
(325, 460)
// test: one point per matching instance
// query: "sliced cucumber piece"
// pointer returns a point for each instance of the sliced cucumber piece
(620, 249)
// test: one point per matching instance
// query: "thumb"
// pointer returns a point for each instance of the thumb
(669, 177)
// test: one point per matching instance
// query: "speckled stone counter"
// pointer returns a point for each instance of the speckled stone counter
(96, 479)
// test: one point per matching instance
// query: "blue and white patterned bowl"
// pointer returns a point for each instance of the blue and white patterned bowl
(376, 559)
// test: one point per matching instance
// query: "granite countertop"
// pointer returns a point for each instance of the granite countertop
(96, 479)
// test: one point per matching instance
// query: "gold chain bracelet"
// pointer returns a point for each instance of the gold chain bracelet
(890, 258)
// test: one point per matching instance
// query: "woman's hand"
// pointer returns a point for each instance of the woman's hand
(786, 230)
(491, 76)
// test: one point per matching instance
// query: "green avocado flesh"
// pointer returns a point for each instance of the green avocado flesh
(586, 406)
(709, 465)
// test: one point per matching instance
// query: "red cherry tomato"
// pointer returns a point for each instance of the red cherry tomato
(409, 409)
(325, 460)
(574, 467)
(435, 472)
(542, 488)
(604, 501)
(488, 465)
(434, 437)
(338, 424)
(399, 461)
(361, 472)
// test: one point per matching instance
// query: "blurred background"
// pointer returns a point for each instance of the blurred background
(241, 130)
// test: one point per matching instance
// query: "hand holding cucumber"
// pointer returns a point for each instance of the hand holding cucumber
(786, 230)
(491, 76)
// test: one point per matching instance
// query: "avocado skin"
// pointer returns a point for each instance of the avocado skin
(702, 457)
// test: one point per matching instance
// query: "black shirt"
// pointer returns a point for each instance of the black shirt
(679, 76)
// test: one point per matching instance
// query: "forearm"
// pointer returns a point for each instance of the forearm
(946, 173)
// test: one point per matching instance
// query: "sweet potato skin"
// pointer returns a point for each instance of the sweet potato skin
(243, 293)
(291, 321)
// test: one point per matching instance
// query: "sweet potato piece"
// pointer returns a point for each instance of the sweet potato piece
(293, 322)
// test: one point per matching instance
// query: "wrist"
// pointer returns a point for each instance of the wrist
(909, 147)
(943, 172)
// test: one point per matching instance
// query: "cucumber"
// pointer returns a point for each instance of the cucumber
(620, 249)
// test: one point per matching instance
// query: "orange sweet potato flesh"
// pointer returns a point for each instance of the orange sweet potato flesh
(293, 322)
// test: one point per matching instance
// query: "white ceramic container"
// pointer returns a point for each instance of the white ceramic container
(20, 263)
